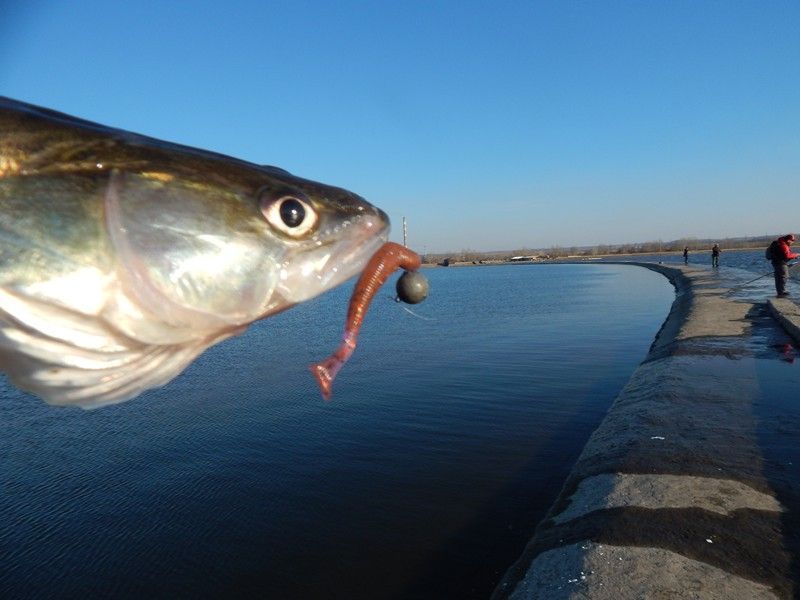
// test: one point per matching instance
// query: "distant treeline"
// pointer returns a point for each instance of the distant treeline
(694, 245)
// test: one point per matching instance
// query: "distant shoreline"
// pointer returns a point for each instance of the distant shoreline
(579, 258)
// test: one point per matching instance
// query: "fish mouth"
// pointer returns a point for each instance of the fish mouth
(348, 256)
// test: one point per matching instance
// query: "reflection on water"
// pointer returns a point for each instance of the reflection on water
(445, 442)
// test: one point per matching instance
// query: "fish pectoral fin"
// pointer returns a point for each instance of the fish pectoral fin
(71, 359)
(64, 375)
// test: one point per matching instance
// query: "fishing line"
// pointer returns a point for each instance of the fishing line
(396, 300)
(751, 281)
(409, 311)
(767, 274)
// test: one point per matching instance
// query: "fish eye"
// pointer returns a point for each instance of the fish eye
(289, 214)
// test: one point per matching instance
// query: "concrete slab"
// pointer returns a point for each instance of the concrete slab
(613, 490)
(607, 572)
(787, 313)
(673, 484)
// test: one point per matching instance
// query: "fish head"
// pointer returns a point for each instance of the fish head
(202, 250)
(325, 236)
(123, 257)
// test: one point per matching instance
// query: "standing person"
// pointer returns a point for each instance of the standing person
(780, 253)
(686, 255)
(715, 255)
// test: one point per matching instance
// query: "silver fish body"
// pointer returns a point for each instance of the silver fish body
(123, 257)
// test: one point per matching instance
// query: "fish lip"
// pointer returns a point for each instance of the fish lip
(377, 224)
(367, 242)
(373, 240)
(378, 228)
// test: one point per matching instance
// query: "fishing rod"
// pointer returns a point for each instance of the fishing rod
(767, 274)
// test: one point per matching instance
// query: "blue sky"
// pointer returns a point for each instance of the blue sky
(489, 125)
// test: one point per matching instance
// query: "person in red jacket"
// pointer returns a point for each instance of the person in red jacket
(780, 254)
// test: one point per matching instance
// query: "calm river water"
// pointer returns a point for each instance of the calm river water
(447, 439)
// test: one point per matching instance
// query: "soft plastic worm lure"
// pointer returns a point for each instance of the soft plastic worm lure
(380, 267)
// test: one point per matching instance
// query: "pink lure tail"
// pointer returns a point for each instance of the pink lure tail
(326, 370)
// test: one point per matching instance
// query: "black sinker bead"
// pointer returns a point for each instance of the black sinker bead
(412, 287)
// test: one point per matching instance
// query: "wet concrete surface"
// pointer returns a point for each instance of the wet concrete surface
(690, 487)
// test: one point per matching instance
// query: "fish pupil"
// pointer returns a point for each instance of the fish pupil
(292, 212)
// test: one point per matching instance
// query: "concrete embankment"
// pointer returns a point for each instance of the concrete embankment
(673, 496)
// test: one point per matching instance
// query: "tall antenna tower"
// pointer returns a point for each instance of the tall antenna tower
(405, 233)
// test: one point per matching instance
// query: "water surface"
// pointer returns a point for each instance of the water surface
(446, 441)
